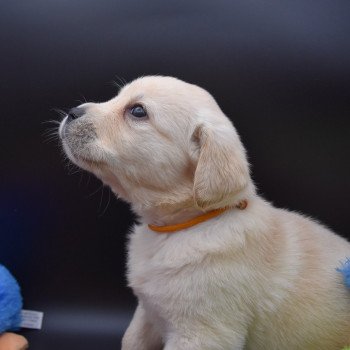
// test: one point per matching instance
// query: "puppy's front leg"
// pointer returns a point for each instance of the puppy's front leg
(141, 334)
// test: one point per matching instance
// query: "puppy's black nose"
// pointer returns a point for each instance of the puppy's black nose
(75, 113)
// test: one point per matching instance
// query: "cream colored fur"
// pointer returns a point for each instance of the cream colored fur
(256, 279)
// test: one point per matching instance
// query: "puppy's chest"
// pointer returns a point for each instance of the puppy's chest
(161, 274)
(151, 270)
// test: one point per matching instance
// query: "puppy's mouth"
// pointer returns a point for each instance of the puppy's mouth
(78, 138)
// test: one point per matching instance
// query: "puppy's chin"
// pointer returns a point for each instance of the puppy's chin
(85, 160)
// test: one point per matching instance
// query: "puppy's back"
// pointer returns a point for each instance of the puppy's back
(316, 312)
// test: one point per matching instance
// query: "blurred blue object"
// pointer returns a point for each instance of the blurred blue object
(10, 301)
(345, 270)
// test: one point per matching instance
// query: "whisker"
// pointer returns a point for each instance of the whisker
(84, 99)
(56, 122)
(88, 179)
(51, 134)
(51, 140)
(60, 111)
(81, 178)
(106, 207)
(119, 82)
(93, 193)
(72, 168)
(101, 199)
(50, 130)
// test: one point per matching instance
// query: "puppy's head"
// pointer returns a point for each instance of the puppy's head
(160, 142)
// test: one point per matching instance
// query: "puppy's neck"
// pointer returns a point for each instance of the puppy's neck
(161, 210)
(164, 215)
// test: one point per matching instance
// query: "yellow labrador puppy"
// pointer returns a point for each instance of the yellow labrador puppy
(214, 266)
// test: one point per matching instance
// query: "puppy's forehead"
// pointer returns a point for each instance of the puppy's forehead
(156, 84)
(162, 88)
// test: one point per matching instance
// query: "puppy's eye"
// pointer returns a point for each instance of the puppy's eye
(138, 111)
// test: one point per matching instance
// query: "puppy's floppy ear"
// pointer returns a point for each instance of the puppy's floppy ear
(222, 169)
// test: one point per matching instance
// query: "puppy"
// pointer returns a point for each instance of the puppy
(213, 265)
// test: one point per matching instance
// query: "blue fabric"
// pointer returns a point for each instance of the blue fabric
(345, 270)
(10, 301)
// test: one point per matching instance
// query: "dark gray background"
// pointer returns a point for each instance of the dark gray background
(280, 71)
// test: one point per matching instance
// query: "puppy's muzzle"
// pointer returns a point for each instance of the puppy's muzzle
(73, 114)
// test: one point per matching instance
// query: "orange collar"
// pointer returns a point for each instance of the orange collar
(195, 221)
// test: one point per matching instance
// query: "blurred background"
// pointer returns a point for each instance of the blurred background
(279, 70)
